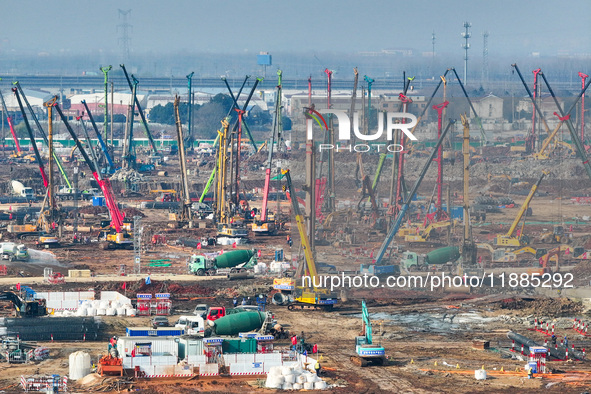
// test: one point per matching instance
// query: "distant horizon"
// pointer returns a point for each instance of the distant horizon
(520, 28)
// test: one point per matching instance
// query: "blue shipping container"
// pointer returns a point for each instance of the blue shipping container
(150, 332)
(98, 201)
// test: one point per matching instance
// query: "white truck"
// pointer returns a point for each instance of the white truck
(193, 325)
(22, 191)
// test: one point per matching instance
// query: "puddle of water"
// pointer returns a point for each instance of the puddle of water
(434, 322)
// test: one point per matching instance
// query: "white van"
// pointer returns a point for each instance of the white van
(193, 325)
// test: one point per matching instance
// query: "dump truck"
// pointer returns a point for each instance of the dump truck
(236, 261)
(412, 261)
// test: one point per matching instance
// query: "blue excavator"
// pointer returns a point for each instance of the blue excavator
(367, 353)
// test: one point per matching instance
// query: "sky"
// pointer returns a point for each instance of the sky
(515, 27)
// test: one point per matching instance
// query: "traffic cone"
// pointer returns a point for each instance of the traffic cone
(502, 369)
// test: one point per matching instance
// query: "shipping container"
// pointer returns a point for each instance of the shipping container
(242, 345)
(151, 332)
(190, 347)
(158, 346)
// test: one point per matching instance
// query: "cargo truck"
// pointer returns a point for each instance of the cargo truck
(236, 261)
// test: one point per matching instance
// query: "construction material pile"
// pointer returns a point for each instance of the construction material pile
(126, 175)
(290, 378)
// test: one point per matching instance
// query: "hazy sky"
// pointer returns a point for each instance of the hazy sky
(516, 27)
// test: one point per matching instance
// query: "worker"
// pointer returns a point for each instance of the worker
(235, 302)
(317, 368)
(248, 302)
(530, 373)
(553, 340)
(565, 342)
(243, 301)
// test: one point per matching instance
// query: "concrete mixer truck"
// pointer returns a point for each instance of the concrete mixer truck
(235, 261)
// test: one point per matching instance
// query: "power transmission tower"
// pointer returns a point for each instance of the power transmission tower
(485, 58)
(124, 28)
(433, 42)
(466, 35)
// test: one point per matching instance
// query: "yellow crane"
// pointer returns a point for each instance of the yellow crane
(309, 295)
(509, 239)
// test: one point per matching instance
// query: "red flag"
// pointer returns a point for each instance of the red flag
(570, 228)
(10, 216)
(567, 251)
(124, 286)
(18, 287)
(371, 255)
(259, 254)
(234, 245)
(199, 245)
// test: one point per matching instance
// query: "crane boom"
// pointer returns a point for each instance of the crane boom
(100, 138)
(32, 138)
(9, 120)
(406, 205)
(276, 126)
(186, 202)
(482, 133)
(116, 215)
(43, 135)
(139, 108)
(299, 218)
(574, 137)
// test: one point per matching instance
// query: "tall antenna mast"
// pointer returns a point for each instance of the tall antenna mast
(466, 46)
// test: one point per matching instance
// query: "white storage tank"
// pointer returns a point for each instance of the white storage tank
(79, 365)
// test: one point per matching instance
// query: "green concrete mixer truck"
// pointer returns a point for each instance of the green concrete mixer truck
(235, 261)
(412, 261)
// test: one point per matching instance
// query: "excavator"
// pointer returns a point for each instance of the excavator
(424, 235)
(25, 308)
(302, 297)
(553, 254)
(118, 235)
(505, 256)
(367, 352)
(509, 239)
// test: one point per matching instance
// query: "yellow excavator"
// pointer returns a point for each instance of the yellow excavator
(308, 295)
(509, 239)
(425, 234)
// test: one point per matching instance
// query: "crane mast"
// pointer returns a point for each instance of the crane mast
(186, 200)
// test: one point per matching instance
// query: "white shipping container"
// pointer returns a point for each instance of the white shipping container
(159, 345)
(192, 346)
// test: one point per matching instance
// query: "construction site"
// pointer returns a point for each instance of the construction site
(262, 234)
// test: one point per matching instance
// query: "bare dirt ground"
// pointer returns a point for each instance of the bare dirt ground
(428, 335)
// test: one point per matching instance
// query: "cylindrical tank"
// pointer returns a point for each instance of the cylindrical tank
(233, 258)
(79, 365)
(443, 255)
(240, 275)
(239, 322)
